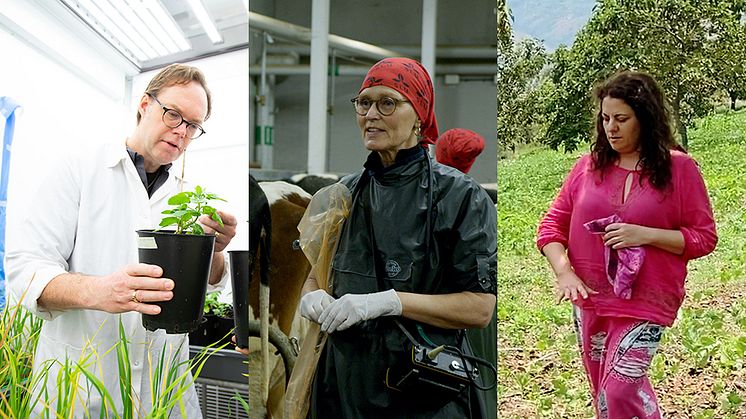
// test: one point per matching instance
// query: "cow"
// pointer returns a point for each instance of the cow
(287, 271)
(312, 183)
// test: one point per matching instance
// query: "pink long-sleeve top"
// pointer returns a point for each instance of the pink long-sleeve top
(658, 291)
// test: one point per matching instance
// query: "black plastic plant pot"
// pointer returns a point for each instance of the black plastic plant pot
(213, 330)
(239, 260)
(186, 259)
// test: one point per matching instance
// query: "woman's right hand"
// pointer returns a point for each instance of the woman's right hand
(313, 303)
(570, 286)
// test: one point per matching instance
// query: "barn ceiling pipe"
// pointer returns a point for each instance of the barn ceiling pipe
(298, 33)
(352, 70)
(444, 51)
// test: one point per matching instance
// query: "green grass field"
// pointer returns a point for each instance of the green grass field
(698, 372)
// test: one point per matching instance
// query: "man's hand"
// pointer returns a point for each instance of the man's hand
(244, 351)
(224, 234)
(131, 289)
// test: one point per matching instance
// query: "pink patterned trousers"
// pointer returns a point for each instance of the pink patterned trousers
(616, 353)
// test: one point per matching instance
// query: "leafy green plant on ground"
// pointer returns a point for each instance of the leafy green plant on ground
(698, 372)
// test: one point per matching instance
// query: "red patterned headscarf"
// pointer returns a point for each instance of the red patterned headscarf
(409, 78)
(459, 148)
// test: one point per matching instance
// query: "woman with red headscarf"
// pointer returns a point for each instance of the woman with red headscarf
(459, 147)
(414, 262)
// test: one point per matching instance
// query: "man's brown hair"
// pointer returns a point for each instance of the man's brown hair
(178, 74)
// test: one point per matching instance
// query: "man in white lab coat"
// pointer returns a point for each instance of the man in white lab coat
(72, 251)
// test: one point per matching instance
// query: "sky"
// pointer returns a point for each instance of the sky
(553, 21)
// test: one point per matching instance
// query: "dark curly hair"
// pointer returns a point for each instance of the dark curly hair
(641, 93)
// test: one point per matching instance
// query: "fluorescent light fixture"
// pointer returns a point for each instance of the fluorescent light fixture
(140, 29)
(144, 31)
(99, 20)
(204, 19)
(153, 25)
(163, 18)
(128, 28)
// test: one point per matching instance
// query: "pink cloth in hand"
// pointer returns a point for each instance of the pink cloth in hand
(622, 265)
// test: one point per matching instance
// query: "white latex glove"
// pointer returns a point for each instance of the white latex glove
(313, 303)
(354, 308)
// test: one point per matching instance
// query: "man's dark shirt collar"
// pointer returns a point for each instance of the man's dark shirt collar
(151, 181)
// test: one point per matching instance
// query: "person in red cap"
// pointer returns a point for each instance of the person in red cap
(413, 268)
(458, 148)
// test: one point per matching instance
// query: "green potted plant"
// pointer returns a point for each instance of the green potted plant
(185, 254)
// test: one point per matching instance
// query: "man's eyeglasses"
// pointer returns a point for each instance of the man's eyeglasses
(385, 105)
(173, 119)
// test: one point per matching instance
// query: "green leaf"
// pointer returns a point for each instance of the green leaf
(169, 221)
(213, 197)
(197, 229)
(215, 216)
(179, 198)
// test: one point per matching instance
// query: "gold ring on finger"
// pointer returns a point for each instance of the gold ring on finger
(134, 297)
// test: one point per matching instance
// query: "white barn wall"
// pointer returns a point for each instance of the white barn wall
(469, 104)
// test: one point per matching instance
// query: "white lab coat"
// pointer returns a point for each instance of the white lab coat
(83, 219)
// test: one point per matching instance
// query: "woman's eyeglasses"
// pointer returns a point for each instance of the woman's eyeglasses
(385, 105)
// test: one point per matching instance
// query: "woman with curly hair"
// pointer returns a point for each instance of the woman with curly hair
(618, 236)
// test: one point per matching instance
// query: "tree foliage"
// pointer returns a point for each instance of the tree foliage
(729, 54)
(504, 26)
(684, 44)
(519, 94)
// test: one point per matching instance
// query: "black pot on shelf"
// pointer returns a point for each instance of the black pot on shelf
(213, 330)
(239, 261)
(186, 259)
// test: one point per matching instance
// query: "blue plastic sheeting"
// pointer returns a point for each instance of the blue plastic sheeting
(7, 110)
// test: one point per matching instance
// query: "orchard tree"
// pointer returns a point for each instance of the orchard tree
(670, 39)
(519, 85)
(729, 54)
(504, 26)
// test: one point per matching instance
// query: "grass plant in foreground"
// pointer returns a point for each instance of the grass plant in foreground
(23, 393)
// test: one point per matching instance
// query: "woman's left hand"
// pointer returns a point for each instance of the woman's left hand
(621, 235)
